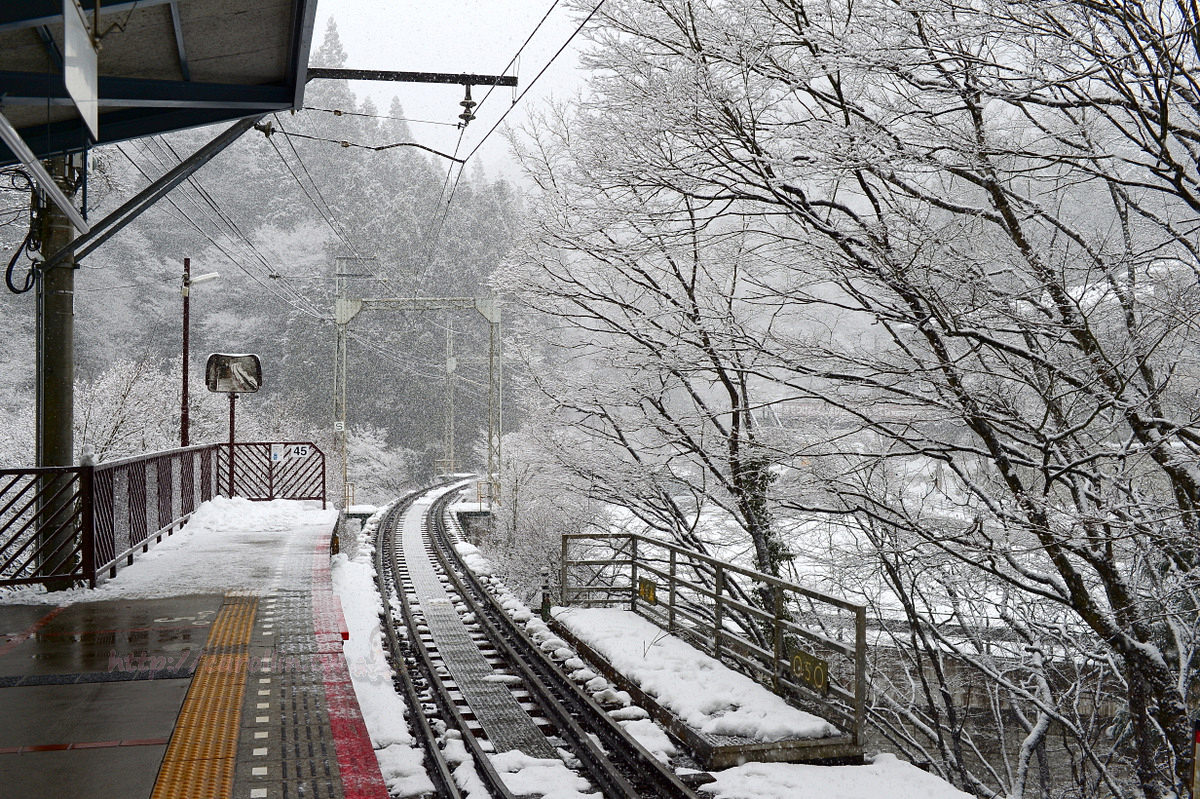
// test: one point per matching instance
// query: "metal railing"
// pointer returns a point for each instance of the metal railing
(144, 497)
(62, 526)
(45, 515)
(808, 647)
(273, 470)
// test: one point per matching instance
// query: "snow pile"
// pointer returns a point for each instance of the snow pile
(714, 699)
(474, 561)
(220, 549)
(400, 759)
(887, 776)
(533, 776)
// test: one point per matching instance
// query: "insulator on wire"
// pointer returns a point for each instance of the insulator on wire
(468, 107)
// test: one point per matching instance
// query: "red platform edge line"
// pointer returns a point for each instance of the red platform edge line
(357, 763)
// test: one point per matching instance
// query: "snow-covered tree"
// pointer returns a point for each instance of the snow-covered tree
(979, 226)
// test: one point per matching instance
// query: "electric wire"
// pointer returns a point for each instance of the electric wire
(517, 56)
(337, 112)
(375, 147)
(445, 211)
(220, 248)
(537, 77)
(327, 213)
(239, 235)
(331, 215)
(204, 194)
(406, 364)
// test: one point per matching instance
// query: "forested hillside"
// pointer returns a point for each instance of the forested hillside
(277, 215)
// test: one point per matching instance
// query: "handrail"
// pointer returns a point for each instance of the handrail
(151, 455)
(791, 638)
(61, 525)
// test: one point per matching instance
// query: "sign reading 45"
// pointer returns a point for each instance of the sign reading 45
(280, 452)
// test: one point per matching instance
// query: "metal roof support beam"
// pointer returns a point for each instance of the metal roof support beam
(111, 224)
(65, 137)
(302, 34)
(183, 62)
(41, 177)
(28, 13)
(31, 88)
(412, 77)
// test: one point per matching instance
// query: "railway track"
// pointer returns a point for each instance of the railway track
(481, 689)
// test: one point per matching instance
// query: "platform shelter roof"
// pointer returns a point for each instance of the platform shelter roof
(162, 65)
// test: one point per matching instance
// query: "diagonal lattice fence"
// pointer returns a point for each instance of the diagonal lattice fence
(68, 525)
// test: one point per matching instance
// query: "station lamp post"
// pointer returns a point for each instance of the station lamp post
(188, 282)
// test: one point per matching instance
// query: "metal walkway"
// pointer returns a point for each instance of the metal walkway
(507, 725)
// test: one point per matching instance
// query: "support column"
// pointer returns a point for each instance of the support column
(183, 392)
(55, 337)
(56, 334)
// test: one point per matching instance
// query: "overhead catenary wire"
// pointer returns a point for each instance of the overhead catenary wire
(327, 213)
(537, 77)
(445, 209)
(405, 362)
(239, 235)
(229, 221)
(309, 311)
(243, 240)
(517, 55)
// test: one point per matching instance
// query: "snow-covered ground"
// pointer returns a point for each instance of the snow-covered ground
(229, 544)
(717, 700)
(712, 698)
(384, 711)
(221, 550)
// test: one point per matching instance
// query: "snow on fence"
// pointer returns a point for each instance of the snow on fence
(808, 647)
(67, 525)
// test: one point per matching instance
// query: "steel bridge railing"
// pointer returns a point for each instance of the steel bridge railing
(808, 647)
(62, 526)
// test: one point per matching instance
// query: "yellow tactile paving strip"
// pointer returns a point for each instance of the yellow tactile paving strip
(199, 762)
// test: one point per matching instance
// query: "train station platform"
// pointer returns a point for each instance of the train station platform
(211, 667)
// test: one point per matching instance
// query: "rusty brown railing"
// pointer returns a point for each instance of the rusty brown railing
(69, 525)
(144, 497)
(273, 470)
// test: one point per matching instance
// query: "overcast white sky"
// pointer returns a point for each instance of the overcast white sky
(472, 36)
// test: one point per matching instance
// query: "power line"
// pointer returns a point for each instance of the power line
(328, 213)
(446, 210)
(375, 147)
(240, 236)
(533, 82)
(235, 261)
(337, 112)
(517, 56)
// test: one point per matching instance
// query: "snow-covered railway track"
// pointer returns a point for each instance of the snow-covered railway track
(489, 697)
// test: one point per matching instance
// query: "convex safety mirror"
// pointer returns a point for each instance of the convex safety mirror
(233, 374)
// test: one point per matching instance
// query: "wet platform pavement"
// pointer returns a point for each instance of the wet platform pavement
(243, 693)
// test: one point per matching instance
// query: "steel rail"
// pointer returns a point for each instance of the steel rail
(418, 656)
(438, 769)
(622, 766)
